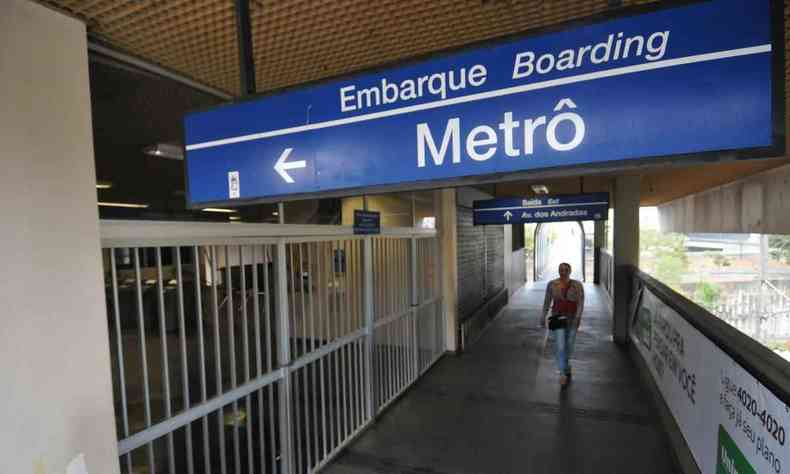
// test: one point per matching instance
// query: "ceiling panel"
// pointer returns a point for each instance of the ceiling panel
(298, 41)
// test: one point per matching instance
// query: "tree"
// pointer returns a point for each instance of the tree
(664, 256)
(779, 247)
(707, 294)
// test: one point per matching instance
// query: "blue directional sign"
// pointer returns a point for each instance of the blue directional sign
(576, 207)
(667, 83)
(367, 222)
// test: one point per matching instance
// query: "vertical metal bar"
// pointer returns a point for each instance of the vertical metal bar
(345, 319)
(269, 356)
(143, 353)
(305, 379)
(367, 261)
(391, 361)
(308, 462)
(303, 315)
(184, 368)
(338, 409)
(294, 376)
(297, 407)
(314, 386)
(402, 321)
(404, 306)
(202, 355)
(245, 334)
(119, 354)
(292, 308)
(218, 362)
(358, 292)
(299, 319)
(284, 359)
(344, 408)
(360, 382)
(321, 312)
(232, 338)
(256, 314)
(414, 275)
(160, 292)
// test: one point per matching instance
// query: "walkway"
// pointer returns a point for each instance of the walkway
(498, 408)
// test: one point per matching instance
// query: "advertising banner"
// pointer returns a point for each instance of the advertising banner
(731, 422)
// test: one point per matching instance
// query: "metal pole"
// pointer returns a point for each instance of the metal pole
(244, 38)
(367, 262)
(283, 358)
(415, 303)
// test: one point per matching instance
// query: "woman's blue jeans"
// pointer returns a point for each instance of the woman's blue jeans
(564, 340)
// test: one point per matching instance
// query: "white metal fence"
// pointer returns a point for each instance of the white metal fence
(761, 313)
(241, 349)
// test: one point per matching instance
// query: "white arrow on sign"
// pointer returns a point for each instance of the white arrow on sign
(508, 215)
(281, 167)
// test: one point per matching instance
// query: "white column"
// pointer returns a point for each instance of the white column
(448, 248)
(55, 381)
(626, 249)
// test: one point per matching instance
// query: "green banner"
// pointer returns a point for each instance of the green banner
(730, 459)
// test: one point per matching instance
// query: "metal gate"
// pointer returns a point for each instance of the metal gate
(242, 353)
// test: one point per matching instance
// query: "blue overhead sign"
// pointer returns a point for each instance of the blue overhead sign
(670, 82)
(577, 207)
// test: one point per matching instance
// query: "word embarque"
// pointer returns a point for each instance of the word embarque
(439, 85)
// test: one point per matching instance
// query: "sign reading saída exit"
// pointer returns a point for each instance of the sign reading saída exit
(671, 81)
(577, 207)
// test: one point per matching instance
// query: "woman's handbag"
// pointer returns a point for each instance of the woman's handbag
(558, 321)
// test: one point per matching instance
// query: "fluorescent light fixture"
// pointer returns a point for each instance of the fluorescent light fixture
(123, 204)
(165, 150)
(103, 185)
(275, 213)
(217, 209)
(235, 218)
(540, 189)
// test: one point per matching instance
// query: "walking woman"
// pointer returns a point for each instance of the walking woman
(565, 299)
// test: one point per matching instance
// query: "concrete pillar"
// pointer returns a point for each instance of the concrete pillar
(55, 381)
(626, 249)
(599, 242)
(448, 248)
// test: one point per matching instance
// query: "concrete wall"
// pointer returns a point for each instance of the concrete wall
(471, 263)
(395, 209)
(518, 271)
(481, 256)
(757, 204)
(55, 383)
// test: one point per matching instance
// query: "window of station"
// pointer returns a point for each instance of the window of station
(313, 211)
(744, 279)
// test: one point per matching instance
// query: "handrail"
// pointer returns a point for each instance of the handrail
(762, 363)
(126, 233)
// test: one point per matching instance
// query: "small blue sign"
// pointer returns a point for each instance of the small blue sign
(676, 81)
(367, 222)
(576, 207)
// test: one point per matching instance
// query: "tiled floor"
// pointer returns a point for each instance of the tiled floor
(498, 408)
